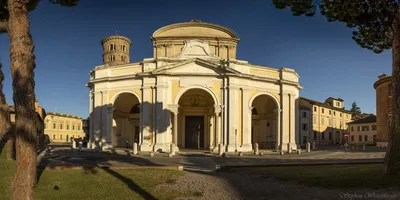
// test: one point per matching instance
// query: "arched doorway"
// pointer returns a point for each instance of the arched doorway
(196, 120)
(126, 121)
(264, 122)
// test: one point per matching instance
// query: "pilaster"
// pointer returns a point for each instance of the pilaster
(233, 120)
(246, 122)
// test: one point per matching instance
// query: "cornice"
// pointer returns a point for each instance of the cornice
(383, 80)
(116, 37)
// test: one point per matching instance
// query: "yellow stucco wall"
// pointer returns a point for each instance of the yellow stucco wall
(125, 71)
(264, 72)
(112, 93)
(216, 88)
(175, 89)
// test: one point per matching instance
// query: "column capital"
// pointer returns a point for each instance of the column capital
(251, 109)
(278, 110)
(218, 108)
(110, 108)
(173, 108)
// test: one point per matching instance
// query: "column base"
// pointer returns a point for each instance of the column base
(246, 148)
(161, 147)
(232, 148)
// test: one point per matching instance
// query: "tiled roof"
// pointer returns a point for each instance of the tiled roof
(369, 119)
(325, 105)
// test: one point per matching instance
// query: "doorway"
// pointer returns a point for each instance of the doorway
(194, 132)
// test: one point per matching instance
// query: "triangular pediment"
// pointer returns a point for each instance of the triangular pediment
(195, 66)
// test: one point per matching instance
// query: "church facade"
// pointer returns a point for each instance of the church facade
(193, 93)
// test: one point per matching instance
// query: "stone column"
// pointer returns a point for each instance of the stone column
(246, 122)
(211, 131)
(175, 110)
(218, 122)
(110, 109)
(279, 132)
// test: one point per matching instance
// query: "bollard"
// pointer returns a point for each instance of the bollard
(240, 154)
(313, 146)
(80, 145)
(289, 149)
(261, 153)
(151, 154)
(170, 155)
(220, 149)
(172, 149)
(73, 144)
(224, 154)
(255, 148)
(135, 148)
(282, 153)
(298, 151)
(364, 147)
(308, 148)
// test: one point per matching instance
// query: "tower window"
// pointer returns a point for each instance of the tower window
(123, 47)
(111, 58)
(111, 47)
(123, 58)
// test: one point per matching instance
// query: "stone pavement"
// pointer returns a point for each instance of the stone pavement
(199, 161)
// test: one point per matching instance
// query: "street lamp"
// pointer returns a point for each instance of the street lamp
(235, 140)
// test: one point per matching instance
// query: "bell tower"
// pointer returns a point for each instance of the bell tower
(116, 50)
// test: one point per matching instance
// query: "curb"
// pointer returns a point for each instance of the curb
(298, 164)
(91, 167)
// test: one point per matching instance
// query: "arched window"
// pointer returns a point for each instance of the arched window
(111, 47)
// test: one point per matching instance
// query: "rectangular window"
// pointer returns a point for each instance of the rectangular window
(330, 136)
(340, 114)
(54, 125)
(330, 112)
(323, 135)
(79, 128)
(45, 125)
(366, 138)
(67, 126)
(54, 137)
(61, 126)
(315, 135)
(315, 119)
(365, 128)
(305, 127)
(334, 113)
(73, 127)
(304, 114)
(358, 128)
(322, 110)
(352, 138)
(322, 121)
(315, 109)
(60, 137)
(373, 127)
(360, 138)
(352, 129)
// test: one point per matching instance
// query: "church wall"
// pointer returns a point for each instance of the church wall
(123, 71)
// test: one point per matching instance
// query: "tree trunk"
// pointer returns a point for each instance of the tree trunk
(11, 145)
(22, 64)
(392, 158)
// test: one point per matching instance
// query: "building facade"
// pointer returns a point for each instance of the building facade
(305, 124)
(363, 131)
(383, 89)
(62, 127)
(329, 120)
(193, 92)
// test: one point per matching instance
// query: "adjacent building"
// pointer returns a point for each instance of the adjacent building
(194, 92)
(363, 131)
(62, 127)
(383, 89)
(326, 122)
(40, 115)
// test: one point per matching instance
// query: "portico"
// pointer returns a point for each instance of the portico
(193, 93)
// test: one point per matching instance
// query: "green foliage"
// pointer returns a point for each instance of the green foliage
(355, 109)
(371, 20)
(32, 4)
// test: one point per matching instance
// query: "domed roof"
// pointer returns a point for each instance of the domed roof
(195, 28)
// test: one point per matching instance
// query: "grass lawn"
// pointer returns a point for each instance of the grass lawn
(96, 184)
(330, 176)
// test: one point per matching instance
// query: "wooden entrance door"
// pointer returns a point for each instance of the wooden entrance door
(194, 132)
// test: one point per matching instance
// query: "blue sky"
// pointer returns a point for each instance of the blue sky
(67, 47)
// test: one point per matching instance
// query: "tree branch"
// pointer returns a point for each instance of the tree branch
(3, 26)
